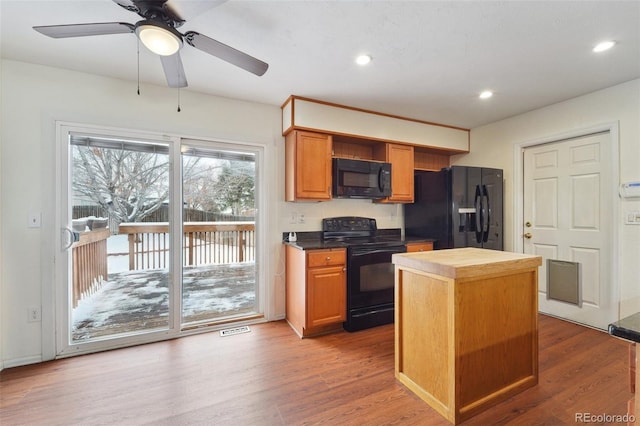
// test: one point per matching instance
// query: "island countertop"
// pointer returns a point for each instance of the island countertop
(466, 262)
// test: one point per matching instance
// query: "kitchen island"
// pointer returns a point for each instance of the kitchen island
(466, 327)
(628, 328)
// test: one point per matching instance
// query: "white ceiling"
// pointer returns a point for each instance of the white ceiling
(430, 58)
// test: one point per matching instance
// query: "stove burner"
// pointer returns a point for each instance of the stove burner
(354, 230)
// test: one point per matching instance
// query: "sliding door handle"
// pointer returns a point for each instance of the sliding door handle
(65, 244)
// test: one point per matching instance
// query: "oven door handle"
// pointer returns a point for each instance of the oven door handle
(365, 252)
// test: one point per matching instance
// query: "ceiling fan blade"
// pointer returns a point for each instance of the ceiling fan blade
(82, 30)
(226, 53)
(173, 70)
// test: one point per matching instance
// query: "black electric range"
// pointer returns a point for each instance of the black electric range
(370, 273)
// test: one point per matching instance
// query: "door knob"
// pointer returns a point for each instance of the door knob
(528, 235)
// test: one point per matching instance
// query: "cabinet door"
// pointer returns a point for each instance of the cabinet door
(308, 166)
(401, 159)
(416, 247)
(326, 296)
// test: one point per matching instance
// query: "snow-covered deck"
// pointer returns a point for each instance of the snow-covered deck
(132, 301)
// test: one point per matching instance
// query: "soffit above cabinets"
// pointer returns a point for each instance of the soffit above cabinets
(310, 114)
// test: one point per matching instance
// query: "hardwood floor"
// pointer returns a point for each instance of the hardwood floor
(271, 377)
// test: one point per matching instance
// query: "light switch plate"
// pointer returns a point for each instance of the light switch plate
(632, 218)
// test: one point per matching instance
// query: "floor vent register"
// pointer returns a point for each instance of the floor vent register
(235, 330)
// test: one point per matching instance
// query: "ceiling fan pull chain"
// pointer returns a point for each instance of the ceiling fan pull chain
(138, 56)
(178, 99)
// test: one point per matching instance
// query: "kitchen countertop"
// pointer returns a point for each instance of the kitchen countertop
(313, 240)
(627, 328)
(466, 262)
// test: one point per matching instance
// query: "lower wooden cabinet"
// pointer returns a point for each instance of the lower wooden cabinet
(421, 246)
(316, 288)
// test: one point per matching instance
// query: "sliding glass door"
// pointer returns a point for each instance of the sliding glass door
(219, 243)
(119, 206)
(158, 236)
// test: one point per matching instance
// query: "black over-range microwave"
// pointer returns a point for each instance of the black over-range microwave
(361, 179)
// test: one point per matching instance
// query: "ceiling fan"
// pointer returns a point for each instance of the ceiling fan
(157, 31)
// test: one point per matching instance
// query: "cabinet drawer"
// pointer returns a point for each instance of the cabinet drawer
(414, 247)
(317, 258)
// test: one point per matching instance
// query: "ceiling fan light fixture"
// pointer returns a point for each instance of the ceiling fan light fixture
(486, 94)
(160, 39)
(363, 59)
(605, 45)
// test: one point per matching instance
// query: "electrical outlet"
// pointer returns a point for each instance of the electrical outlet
(34, 220)
(301, 218)
(34, 314)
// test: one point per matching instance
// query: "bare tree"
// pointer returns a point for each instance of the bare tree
(128, 184)
(235, 187)
(198, 192)
(131, 184)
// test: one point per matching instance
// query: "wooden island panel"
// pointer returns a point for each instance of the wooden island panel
(467, 336)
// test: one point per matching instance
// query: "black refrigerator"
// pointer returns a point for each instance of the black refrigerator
(458, 206)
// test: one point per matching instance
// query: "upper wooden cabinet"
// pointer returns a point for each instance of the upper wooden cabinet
(402, 163)
(307, 166)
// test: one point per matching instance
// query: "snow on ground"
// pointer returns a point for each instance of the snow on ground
(138, 300)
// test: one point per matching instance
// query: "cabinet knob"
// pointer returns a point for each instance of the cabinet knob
(328, 258)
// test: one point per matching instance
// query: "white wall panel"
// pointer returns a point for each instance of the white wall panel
(545, 210)
(589, 260)
(585, 205)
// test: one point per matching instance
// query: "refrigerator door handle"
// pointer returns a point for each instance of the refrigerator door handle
(478, 205)
(486, 213)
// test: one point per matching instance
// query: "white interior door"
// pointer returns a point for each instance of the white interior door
(568, 217)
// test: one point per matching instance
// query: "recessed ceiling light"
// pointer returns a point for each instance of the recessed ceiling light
(605, 45)
(486, 94)
(363, 59)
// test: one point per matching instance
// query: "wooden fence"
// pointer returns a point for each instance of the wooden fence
(161, 215)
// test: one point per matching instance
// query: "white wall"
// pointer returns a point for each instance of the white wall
(34, 97)
(493, 146)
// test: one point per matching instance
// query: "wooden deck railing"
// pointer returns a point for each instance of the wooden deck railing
(89, 264)
(204, 243)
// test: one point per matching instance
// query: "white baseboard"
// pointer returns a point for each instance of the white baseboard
(18, 362)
